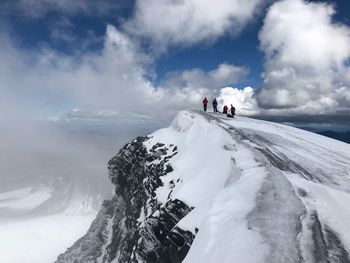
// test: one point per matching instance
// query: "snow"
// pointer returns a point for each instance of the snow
(214, 175)
(25, 198)
(324, 158)
(301, 137)
(59, 176)
(224, 233)
(200, 145)
(241, 177)
(31, 236)
(40, 239)
(331, 204)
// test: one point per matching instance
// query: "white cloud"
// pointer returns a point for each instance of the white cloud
(307, 59)
(197, 78)
(115, 80)
(306, 71)
(242, 99)
(168, 22)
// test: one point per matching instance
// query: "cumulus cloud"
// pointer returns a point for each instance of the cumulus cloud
(242, 99)
(306, 70)
(113, 78)
(307, 59)
(116, 80)
(168, 22)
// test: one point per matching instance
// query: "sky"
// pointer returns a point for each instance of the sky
(285, 59)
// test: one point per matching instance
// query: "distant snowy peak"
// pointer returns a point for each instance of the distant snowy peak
(70, 196)
(22, 201)
(215, 189)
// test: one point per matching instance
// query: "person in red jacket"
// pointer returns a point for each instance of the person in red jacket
(224, 111)
(205, 104)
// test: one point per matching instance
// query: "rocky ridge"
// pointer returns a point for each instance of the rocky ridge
(211, 189)
(134, 226)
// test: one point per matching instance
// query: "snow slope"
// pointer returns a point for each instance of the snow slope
(255, 191)
(251, 182)
(285, 179)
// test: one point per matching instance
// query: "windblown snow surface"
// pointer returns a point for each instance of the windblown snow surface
(261, 191)
(258, 191)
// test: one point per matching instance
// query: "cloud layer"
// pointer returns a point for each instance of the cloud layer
(307, 69)
(307, 66)
(307, 59)
(116, 79)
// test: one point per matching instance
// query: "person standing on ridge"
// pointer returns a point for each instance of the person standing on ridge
(224, 111)
(233, 111)
(215, 105)
(205, 103)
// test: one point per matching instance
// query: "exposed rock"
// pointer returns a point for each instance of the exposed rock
(134, 226)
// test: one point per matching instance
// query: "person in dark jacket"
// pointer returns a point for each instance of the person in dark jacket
(233, 111)
(205, 104)
(215, 105)
(225, 109)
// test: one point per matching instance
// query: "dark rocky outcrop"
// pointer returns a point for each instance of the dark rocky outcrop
(134, 226)
(89, 247)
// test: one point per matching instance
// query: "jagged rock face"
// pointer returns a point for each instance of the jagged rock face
(134, 226)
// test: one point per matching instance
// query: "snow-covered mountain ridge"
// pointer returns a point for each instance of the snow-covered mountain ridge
(214, 189)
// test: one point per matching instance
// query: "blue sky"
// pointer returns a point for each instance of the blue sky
(33, 32)
(181, 51)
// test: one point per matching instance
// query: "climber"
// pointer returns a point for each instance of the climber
(233, 111)
(215, 105)
(224, 111)
(205, 103)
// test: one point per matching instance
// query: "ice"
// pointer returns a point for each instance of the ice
(332, 205)
(326, 160)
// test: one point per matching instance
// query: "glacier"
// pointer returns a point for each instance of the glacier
(214, 189)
